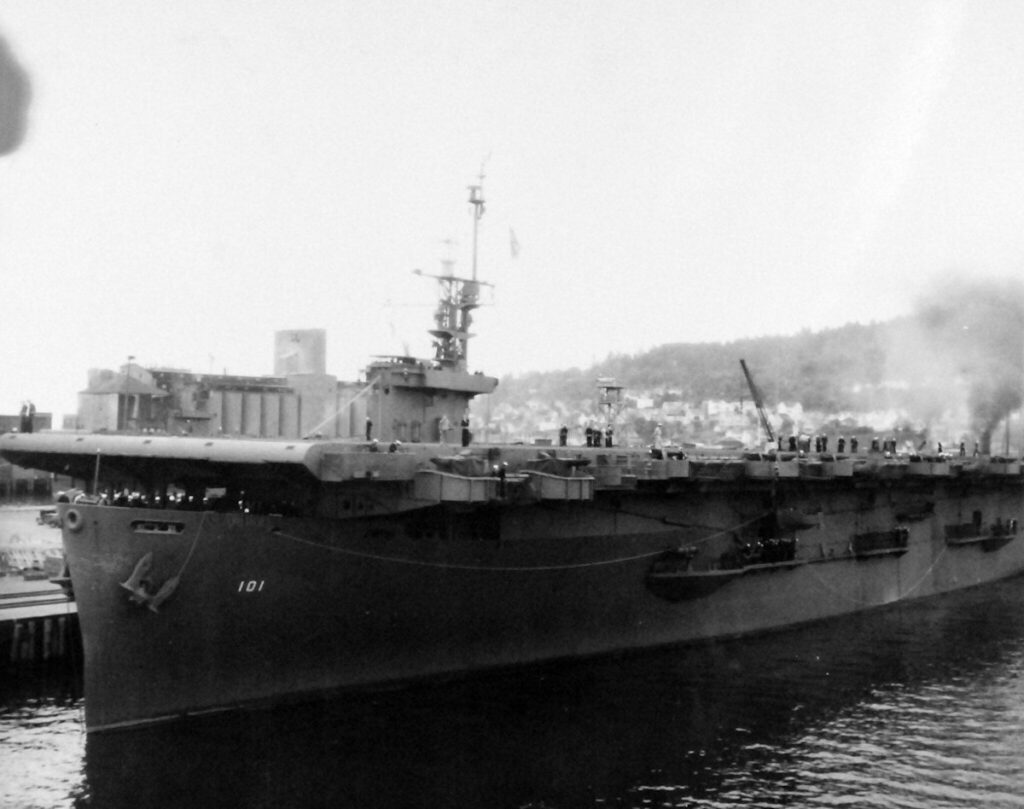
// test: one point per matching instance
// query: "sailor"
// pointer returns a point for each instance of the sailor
(963, 449)
(443, 426)
(608, 436)
(563, 436)
(466, 434)
(792, 443)
(589, 433)
(369, 428)
(824, 443)
(27, 420)
(841, 444)
(598, 436)
(853, 444)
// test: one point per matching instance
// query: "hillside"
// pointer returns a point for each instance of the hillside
(952, 370)
(828, 370)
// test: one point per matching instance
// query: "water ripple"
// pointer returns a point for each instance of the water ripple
(919, 707)
(43, 745)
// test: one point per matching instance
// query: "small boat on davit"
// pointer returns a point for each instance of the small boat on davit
(247, 572)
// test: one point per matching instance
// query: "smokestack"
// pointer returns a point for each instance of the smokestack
(15, 93)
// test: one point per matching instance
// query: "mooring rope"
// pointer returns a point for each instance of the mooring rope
(337, 411)
(195, 541)
(404, 560)
(928, 572)
(716, 533)
(861, 602)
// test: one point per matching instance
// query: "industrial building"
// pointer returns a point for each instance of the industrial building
(301, 399)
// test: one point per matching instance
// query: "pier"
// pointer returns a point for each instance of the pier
(38, 619)
(38, 624)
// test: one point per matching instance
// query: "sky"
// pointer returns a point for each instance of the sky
(178, 181)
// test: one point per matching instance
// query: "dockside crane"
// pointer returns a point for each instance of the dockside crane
(758, 403)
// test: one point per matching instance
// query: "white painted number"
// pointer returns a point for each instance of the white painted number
(251, 586)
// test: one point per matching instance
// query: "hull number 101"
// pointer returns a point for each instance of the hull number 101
(250, 586)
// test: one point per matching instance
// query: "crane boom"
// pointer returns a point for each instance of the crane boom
(758, 403)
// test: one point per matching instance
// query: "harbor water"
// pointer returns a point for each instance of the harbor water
(915, 705)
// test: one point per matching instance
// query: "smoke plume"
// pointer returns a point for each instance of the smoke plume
(968, 340)
(15, 93)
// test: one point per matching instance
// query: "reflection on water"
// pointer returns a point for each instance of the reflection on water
(920, 706)
(42, 743)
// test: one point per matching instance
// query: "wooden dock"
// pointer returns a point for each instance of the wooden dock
(38, 622)
(38, 625)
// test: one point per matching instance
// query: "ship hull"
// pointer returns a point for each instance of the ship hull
(264, 609)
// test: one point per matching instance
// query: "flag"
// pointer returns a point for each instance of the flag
(513, 243)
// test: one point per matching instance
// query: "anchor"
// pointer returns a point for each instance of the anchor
(139, 585)
(166, 591)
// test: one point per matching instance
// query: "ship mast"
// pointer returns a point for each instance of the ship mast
(476, 199)
(458, 298)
